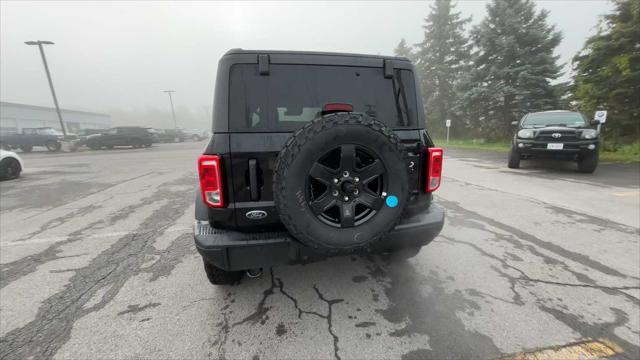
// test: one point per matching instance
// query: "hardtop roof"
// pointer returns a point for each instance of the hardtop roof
(554, 111)
(314, 53)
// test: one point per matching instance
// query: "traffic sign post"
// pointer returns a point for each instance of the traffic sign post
(601, 116)
(448, 125)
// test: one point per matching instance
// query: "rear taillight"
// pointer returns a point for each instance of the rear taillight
(434, 169)
(209, 170)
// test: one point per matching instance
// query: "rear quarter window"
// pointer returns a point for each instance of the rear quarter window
(292, 95)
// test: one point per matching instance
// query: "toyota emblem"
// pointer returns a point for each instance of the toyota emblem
(556, 135)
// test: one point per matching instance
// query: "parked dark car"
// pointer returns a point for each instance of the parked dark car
(171, 135)
(133, 136)
(559, 134)
(30, 137)
(314, 155)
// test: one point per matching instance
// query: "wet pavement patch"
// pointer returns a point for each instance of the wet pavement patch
(261, 314)
(596, 331)
(418, 354)
(111, 269)
(365, 324)
(432, 314)
(56, 194)
(523, 237)
(359, 278)
(136, 308)
(281, 329)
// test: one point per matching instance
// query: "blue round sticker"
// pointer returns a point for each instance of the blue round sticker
(392, 201)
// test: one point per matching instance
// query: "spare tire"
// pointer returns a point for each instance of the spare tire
(340, 183)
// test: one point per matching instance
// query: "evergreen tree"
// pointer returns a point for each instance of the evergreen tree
(513, 66)
(608, 72)
(403, 50)
(563, 92)
(441, 60)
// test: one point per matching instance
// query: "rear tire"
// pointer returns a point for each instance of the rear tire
(588, 164)
(26, 148)
(514, 159)
(218, 276)
(9, 169)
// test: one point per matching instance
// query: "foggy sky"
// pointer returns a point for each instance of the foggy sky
(121, 54)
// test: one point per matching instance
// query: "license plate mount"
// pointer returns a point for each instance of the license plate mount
(555, 146)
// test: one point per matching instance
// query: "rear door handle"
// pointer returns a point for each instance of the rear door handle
(253, 179)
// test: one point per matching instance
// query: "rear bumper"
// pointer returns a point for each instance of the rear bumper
(233, 250)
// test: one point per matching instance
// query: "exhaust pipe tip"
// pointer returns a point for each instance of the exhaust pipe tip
(254, 273)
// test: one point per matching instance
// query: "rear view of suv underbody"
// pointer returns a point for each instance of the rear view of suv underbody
(314, 154)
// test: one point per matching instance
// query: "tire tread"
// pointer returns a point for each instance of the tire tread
(217, 276)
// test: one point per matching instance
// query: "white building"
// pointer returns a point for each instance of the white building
(14, 117)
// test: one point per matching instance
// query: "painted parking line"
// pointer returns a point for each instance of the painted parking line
(627, 193)
(586, 349)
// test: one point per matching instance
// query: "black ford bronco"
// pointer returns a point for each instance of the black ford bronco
(313, 155)
(558, 134)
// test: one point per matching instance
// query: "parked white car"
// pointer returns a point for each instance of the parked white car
(10, 165)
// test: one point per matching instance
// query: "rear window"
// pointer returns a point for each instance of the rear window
(292, 95)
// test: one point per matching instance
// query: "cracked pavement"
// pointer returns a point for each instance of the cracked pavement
(97, 261)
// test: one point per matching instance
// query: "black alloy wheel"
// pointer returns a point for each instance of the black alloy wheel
(346, 186)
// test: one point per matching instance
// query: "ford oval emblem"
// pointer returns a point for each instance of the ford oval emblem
(256, 214)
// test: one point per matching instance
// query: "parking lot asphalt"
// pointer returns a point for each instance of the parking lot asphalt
(97, 261)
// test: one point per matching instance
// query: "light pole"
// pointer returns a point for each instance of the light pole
(46, 69)
(173, 113)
